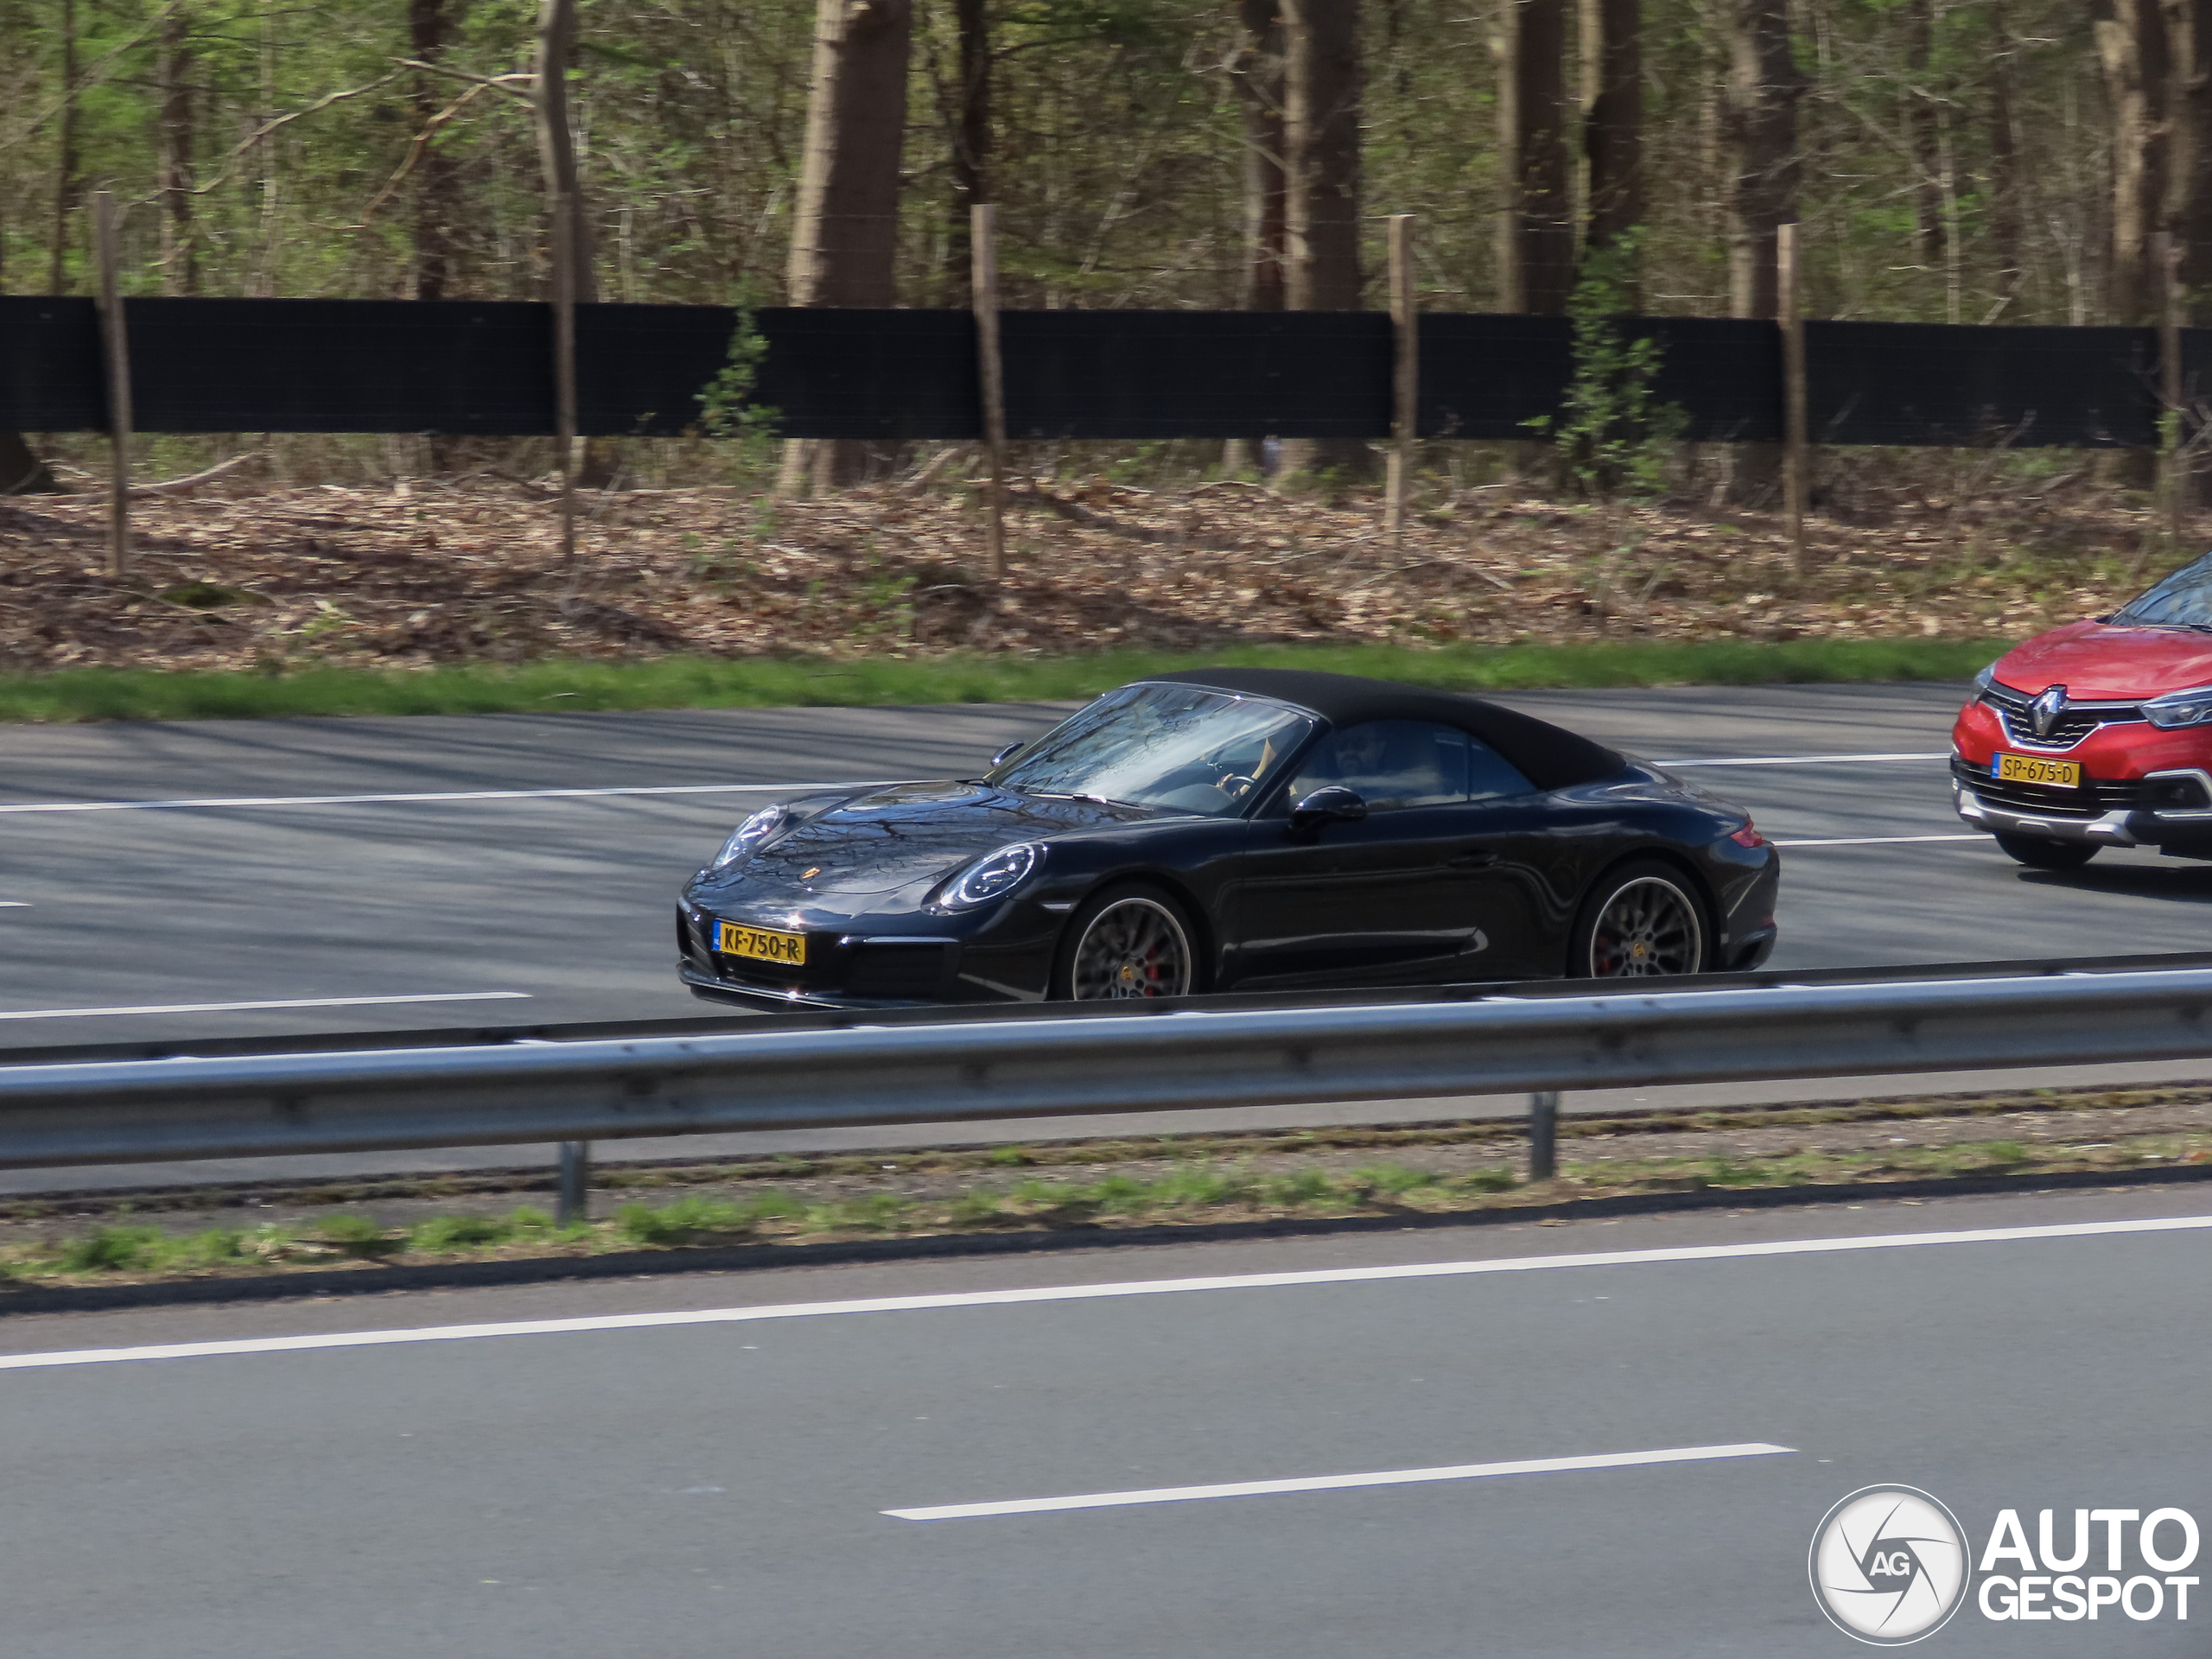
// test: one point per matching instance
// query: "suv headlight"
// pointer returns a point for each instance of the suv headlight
(992, 876)
(749, 837)
(1987, 677)
(2180, 707)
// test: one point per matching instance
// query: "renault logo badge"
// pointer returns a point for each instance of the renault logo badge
(2047, 708)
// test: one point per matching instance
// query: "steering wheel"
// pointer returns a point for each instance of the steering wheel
(1235, 784)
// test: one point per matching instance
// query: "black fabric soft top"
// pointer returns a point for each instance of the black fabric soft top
(1549, 756)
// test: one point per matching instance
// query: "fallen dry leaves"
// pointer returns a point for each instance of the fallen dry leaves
(434, 570)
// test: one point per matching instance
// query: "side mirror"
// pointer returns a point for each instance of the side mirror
(1007, 753)
(1335, 805)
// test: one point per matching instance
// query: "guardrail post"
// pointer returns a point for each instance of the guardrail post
(1543, 1134)
(572, 1205)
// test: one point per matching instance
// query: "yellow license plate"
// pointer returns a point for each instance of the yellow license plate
(761, 943)
(2034, 769)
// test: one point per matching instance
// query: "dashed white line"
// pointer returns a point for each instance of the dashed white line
(1340, 1483)
(1095, 1292)
(1877, 841)
(425, 796)
(249, 1007)
(1804, 760)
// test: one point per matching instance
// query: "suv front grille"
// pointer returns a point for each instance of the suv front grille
(2076, 722)
(2094, 799)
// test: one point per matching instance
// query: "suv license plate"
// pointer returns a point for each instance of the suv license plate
(2034, 769)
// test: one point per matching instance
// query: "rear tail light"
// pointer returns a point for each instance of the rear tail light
(1749, 835)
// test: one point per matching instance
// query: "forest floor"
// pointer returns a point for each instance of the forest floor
(468, 570)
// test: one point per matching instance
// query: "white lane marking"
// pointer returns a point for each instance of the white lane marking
(450, 794)
(247, 1007)
(1090, 1292)
(1805, 759)
(1877, 841)
(1338, 1483)
(14, 904)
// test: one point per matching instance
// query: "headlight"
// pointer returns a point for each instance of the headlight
(1982, 681)
(2180, 707)
(748, 837)
(992, 876)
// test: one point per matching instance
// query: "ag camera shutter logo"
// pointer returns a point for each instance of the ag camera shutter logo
(1889, 1565)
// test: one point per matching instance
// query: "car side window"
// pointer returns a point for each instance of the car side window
(1400, 762)
(1392, 763)
(1491, 775)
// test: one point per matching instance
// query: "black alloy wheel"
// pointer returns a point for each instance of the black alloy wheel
(1129, 943)
(2039, 854)
(1641, 921)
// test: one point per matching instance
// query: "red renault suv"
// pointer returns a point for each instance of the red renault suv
(2097, 734)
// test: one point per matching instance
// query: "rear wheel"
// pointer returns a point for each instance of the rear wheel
(1127, 943)
(1641, 921)
(2039, 854)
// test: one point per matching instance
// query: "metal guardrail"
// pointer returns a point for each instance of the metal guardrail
(954, 1069)
(756, 1022)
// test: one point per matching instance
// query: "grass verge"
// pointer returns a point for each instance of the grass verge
(1195, 1191)
(87, 694)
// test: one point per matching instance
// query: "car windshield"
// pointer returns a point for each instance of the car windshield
(1177, 746)
(2181, 600)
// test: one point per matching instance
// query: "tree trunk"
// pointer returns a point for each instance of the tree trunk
(173, 77)
(437, 175)
(597, 462)
(2189, 170)
(1536, 228)
(65, 164)
(2007, 216)
(1257, 72)
(1613, 122)
(1922, 143)
(2132, 44)
(971, 149)
(1321, 141)
(845, 227)
(1759, 119)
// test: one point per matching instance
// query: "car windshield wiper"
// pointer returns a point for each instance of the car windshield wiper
(1079, 795)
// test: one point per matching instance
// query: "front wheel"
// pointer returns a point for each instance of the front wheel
(1128, 942)
(1641, 921)
(2037, 853)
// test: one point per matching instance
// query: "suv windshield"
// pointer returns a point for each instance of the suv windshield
(2181, 600)
(1177, 746)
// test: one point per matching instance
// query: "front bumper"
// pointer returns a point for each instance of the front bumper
(873, 961)
(2161, 809)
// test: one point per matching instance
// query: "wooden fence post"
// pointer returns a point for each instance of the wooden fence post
(2167, 249)
(115, 352)
(1794, 453)
(983, 237)
(1405, 381)
(564, 363)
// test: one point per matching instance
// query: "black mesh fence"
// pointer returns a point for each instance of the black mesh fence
(463, 367)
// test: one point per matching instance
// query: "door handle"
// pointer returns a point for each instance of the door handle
(1477, 858)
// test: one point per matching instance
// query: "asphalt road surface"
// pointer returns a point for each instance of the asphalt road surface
(249, 877)
(465, 862)
(793, 1461)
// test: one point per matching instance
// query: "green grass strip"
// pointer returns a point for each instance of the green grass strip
(82, 693)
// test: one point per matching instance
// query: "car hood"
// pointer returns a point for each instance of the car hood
(2098, 663)
(911, 832)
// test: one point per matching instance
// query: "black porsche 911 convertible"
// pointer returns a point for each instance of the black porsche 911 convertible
(1236, 829)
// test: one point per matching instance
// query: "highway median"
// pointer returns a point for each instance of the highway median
(360, 1234)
